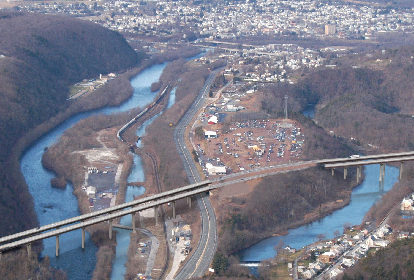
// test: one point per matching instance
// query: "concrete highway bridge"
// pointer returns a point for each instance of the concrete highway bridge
(203, 188)
(359, 161)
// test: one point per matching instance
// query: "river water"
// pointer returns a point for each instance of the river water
(52, 205)
(362, 198)
(137, 175)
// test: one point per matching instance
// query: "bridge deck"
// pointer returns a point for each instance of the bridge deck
(114, 212)
(391, 155)
(367, 162)
(101, 212)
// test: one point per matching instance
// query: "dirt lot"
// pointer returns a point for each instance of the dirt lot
(249, 144)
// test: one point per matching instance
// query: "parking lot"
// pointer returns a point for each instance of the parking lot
(249, 144)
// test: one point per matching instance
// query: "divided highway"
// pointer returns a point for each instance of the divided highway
(203, 255)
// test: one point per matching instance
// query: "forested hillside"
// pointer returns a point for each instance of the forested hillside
(373, 106)
(40, 57)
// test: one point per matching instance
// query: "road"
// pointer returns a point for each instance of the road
(202, 257)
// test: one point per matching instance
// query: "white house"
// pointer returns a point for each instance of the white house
(407, 204)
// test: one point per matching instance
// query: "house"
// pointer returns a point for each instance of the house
(210, 134)
(348, 262)
(407, 204)
(326, 257)
(335, 272)
(381, 243)
(308, 274)
(369, 242)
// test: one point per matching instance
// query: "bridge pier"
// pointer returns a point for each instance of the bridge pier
(333, 171)
(29, 250)
(189, 202)
(133, 222)
(401, 169)
(173, 209)
(1, 254)
(156, 215)
(57, 245)
(110, 229)
(83, 238)
(345, 173)
(359, 171)
(382, 172)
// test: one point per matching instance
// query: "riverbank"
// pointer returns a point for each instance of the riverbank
(92, 144)
(105, 122)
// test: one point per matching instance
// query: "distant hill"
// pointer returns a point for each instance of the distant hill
(40, 57)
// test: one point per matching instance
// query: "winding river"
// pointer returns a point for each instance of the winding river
(137, 175)
(52, 205)
(362, 198)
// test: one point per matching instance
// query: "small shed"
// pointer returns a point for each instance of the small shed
(210, 134)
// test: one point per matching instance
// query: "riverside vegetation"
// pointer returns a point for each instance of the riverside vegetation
(43, 56)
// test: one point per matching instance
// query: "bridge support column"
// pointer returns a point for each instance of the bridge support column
(1, 253)
(29, 250)
(156, 215)
(110, 229)
(189, 201)
(401, 170)
(382, 172)
(345, 173)
(173, 209)
(333, 171)
(359, 171)
(133, 223)
(57, 245)
(83, 238)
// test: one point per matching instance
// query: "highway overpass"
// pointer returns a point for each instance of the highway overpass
(360, 161)
(202, 189)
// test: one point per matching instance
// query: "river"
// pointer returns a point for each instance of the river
(137, 175)
(362, 198)
(52, 205)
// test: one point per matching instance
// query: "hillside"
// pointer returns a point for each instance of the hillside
(40, 57)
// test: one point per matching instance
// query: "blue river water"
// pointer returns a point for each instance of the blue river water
(362, 198)
(52, 204)
(137, 175)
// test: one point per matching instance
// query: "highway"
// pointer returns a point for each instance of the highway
(202, 257)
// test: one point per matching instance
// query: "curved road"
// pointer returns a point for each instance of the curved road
(203, 255)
